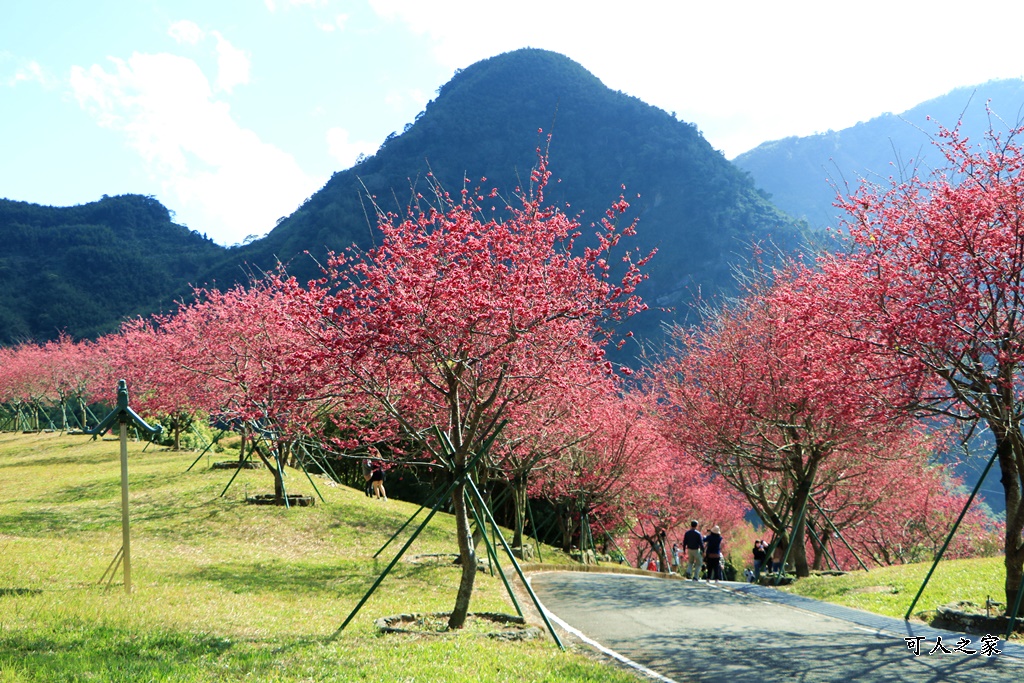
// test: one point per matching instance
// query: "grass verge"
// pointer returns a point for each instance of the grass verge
(891, 590)
(223, 590)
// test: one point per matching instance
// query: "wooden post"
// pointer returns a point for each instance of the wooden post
(126, 537)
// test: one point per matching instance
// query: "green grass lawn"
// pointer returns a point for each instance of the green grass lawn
(223, 590)
(891, 590)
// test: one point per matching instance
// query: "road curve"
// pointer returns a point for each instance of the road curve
(687, 631)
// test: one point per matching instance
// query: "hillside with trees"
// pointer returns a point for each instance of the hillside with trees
(695, 207)
(798, 172)
(81, 269)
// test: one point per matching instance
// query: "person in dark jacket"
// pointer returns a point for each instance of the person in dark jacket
(760, 554)
(367, 471)
(693, 542)
(713, 554)
(377, 480)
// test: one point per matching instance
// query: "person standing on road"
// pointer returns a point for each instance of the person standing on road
(693, 542)
(713, 554)
(777, 556)
(759, 558)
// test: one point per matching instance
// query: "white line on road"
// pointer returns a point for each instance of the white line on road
(598, 646)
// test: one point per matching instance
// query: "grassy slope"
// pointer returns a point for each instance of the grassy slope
(890, 590)
(223, 590)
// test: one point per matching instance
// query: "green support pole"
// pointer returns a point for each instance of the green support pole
(208, 447)
(433, 502)
(482, 528)
(464, 475)
(91, 414)
(312, 483)
(198, 457)
(609, 537)
(492, 553)
(322, 461)
(839, 534)
(492, 544)
(949, 539)
(387, 570)
(785, 557)
(1013, 615)
(536, 540)
(829, 558)
(245, 459)
(512, 558)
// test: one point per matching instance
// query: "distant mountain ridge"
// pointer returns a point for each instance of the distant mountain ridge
(797, 171)
(81, 269)
(697, 208)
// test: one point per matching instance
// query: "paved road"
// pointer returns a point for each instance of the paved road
(688, 631)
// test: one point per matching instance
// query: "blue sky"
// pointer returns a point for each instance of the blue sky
(232, 112)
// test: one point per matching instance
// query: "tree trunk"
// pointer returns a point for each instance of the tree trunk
(278, 485)
(659, 549)
(519, 498)
(801, 496)
(799, 552)
(241, 444)
(272, 465)
(467, 555)
(819, 557)
(1011, 466)
(567, 526)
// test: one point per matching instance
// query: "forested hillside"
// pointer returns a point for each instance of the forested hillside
(798, 172)
(700, 211)
(80, 269)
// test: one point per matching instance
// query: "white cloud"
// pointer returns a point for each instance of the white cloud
(345, 151)
(30, 72)
(337, 24)
(221, 178)
(272, 6)
(796, 66)
(232, 65)
(186, 32)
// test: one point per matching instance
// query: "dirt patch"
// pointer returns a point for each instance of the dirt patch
(295, 500)
(874, 589)
(489, 624)
(236, 465)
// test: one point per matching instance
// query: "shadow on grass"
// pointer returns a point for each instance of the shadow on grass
(48, 522)
(131, 655)
(383, 522)
(345, 579)
(98, 490)
(32, 460)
